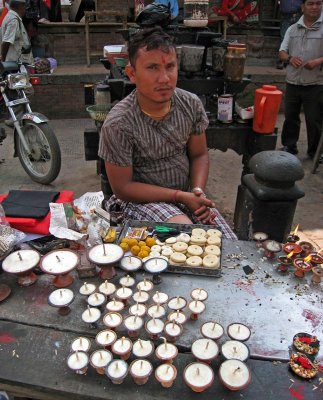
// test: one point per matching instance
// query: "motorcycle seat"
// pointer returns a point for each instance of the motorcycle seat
(8, 66)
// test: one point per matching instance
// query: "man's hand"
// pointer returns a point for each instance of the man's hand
(197, 203)
(312, 64)
(296, 62)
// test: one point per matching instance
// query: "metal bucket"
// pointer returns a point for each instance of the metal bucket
(192, 58)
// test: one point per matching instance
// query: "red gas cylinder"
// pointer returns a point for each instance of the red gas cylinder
(267, 103)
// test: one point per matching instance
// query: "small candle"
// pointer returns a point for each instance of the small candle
(61, 297)
(166, 351)
(177, 303)
(156, 311)
(154, 327)
(116, 371)
(205, 350)
(59, 261)
(112, 320)
(234, 374)
(127, 281)
(160, 298)
(122, 347)
(212, 330)
(140, 370)
(177, 316)
(100, 359)
(196, 307)
(115, 305)
(106, 338)
(130, 263)
(133, 323)
(107, 288)
(237, 331)
(155, 265)
(141, 296)
(87, 288)
(81, 344)
(105, 254)
(198, 376)
(145, 285)
(233, 349)
(96, 299)
(78, 362)
(166, 374)
(91, 315)
(142, 348)
(173, 330)
(199, 294)
(138, 309)
(124, 293)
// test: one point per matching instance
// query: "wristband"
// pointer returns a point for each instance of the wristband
(198, 190)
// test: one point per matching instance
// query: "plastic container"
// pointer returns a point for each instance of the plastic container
(267, 103)
(196, 13)
(102, 94)
(234, 61)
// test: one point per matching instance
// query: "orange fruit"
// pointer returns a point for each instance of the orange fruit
(135, 250)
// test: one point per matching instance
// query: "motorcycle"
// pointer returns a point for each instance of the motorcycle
(35, 142)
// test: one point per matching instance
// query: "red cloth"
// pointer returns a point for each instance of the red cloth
(3, 14)
(33, 225)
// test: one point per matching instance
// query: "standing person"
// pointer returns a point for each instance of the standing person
(15, 44)
(290, 13)
(154, 143)
(302, 50)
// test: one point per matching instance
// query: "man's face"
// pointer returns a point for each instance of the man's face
(155, 74)
(312, 9)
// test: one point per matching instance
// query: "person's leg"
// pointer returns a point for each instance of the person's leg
(313, 110)
(180, 219)
(292, 123)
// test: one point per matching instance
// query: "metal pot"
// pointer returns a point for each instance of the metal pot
(192, 58)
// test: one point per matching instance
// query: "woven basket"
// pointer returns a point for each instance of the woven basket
(99, 112)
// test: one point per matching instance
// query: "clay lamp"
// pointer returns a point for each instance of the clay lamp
(115, 305)
(21, 263)
(81, 344)
(178, 316)
(122, 348)
(160, 297)
(172, 331)
(198, 376)
(156, 311)
(145, 285)
(141, 296)
(143, 348)
(293, 238)
(112, 320)
(166, 374)
(87, 288)
(317, 274)
(99, 359)
(259, 237)
(285, 262)
(96, 300)
(237, 331)
(138, 309)
(212, 330)
(317, 258)
(78, 362)
(166, 352)
(205, 350)
(127, 281)
(61, 298)
(234, 374)
(130, 263)
(199, 294)
(233, 349)
(140, 370)
(302, 266)
(154, 327)
(116, 371)
(292, 247)
(5, 291)
(307, 248)
(124, 294)
(177, 303)
(106, 256)
(196, 307)
(133, 323)
(91, 316)
(155, 266)
(271, 248)
(107, 288)
(106, 338)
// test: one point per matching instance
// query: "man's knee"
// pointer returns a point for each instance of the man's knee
(180, 219)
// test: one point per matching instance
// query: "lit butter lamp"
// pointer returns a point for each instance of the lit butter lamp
(61, 298)
(302, 266)
(238, 331)
(285, 262)
(307, 248)
(140, 370)
(292, 247)
(133, 324)
(166, 374)
(271, 247)
(317, 257)
(212, 330)
(234, 374)
(166, 352)
(21, 263)
(78, 362)
(233, 349)
(143, 348)
(198, 376)
(81, 344)
(91, 316)
(106, 256)
(293, 238)
(122, 348)
(99, 359)
(112, 320)
(154, 327)
(60, 263)
(106, 338)
(116, 371)
(205, 350)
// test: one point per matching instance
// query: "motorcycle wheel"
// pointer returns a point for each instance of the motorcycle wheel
(44, 162)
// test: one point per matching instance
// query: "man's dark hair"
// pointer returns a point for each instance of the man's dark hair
(151, 39)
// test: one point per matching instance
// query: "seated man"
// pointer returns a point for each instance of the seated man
(154, 144)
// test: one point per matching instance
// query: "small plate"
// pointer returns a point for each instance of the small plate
(306, 343)
(303, 366)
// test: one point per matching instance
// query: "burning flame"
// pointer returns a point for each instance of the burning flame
(289, 255)
(308, 258)
(296, 229)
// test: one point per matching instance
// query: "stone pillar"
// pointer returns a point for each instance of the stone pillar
(267, 198)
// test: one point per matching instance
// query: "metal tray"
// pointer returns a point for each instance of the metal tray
(185, 269)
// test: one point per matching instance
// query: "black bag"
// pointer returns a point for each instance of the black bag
(154, 14)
